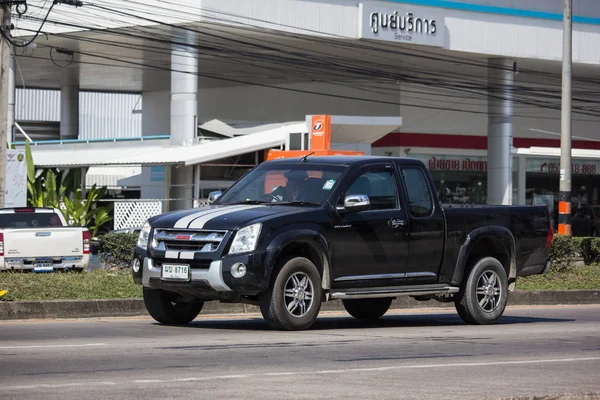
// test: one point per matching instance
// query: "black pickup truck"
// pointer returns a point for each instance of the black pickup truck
(293, 233)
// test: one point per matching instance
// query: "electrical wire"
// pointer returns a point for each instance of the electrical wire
(173, 26)
(58, 65)
(474, 88)
(9, 40)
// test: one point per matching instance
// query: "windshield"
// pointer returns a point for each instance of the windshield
(29, 220)
(285, 184)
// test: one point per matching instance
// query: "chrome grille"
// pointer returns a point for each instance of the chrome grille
(187, 240)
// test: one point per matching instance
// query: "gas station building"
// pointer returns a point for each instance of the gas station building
(472, 90)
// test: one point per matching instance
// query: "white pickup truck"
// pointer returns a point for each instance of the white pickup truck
(39, 240)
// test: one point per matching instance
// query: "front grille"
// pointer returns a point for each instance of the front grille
(187, 240)
(194, 264)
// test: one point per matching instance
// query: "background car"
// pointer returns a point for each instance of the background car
(586, 220)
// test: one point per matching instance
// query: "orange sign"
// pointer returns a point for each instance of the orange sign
(320, 134)
(320, 142)
(276, 154)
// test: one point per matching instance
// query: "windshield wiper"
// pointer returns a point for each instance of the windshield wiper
(247, 202)
(297, 203)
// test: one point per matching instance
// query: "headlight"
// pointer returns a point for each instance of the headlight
(246, 239)
(144, 236)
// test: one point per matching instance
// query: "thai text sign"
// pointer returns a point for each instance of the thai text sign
(402, 23)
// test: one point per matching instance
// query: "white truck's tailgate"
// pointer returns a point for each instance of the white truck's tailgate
(43, 242)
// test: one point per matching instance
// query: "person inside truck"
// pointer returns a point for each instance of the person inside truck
(294, 187)
(55, 221)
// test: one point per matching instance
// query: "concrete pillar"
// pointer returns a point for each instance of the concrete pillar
(12, 89)
(500, 131)
(69, 111)
(184, 111)
(522, 184)
(181, 187)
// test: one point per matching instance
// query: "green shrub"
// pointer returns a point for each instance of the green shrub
(116, 249)
(590, 250)
(566, 250)
(563, 251)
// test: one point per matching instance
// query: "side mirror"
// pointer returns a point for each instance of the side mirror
(213, 196)
(355, 203)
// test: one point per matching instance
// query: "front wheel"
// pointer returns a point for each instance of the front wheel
(367, 308)
(165, 307)
(483, 296)
(293, 300)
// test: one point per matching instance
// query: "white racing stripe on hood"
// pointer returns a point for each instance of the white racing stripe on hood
(185, 221)
(200, 222)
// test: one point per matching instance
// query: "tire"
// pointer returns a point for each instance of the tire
(367, 308)
(284, 304)
(483, 308)
(164, 308)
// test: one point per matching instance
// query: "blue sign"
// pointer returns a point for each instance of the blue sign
(157, 174)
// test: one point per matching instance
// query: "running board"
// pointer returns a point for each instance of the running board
(394, 291)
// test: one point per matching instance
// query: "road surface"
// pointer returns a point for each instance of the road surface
(407, 354)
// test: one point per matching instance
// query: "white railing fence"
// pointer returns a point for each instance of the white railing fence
(133, 213)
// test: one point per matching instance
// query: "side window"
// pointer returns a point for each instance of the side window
(420, 202)
(379, 186)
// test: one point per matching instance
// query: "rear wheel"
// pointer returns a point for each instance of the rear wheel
(367, 308)
(483, 296)
(293, 300)
(165, 307)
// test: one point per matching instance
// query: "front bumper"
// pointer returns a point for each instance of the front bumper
(217, 278)
(212, 276)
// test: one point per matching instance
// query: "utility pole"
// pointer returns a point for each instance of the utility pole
(564, 201)
(5, 17)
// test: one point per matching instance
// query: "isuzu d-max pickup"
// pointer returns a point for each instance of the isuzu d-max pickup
(293, 233)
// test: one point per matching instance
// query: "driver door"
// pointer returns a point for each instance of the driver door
(368, 249)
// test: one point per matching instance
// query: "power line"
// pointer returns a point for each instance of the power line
(8, 39)
(444, 82)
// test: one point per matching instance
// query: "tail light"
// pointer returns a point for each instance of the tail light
(550, 234)
(87, 238)
(1, 244)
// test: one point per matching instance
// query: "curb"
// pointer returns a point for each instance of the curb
(52, 309)
(582, 396)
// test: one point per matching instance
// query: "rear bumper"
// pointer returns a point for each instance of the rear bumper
(547, 267)
(30, 264)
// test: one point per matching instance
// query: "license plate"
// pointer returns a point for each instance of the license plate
(43, 267)
(176, 272)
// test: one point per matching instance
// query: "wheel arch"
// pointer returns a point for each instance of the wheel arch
(492, 241)
(302, 243)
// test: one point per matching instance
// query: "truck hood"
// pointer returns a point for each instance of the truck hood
(226, 217)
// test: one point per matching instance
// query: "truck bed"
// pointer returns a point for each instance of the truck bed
(529, 226)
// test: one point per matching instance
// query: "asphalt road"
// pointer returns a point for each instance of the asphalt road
(407, 354)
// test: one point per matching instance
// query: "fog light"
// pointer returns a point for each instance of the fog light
(136, 265)
(238, 270)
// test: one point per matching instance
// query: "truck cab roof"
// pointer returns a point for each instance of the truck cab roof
(343, 160)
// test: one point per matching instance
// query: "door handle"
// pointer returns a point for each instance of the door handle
(397, 222)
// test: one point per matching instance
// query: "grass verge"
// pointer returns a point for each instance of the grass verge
(587, 277)
(102, 284)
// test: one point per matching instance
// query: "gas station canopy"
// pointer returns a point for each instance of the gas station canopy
(323, 129)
